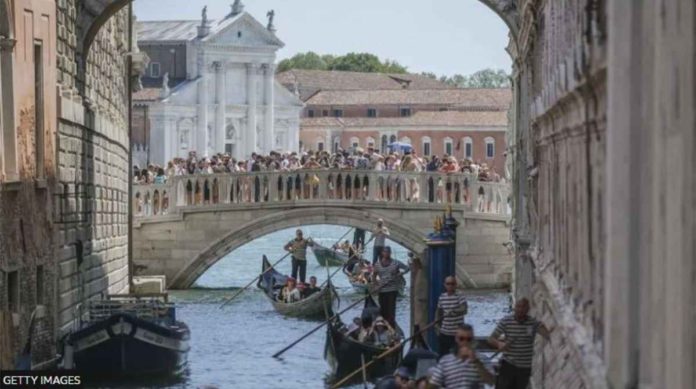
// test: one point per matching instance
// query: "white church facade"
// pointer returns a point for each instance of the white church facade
(210, 88)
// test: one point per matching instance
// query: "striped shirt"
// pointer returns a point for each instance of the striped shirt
(390, 278)
(454, 372)
(520, 339)
(447, 303)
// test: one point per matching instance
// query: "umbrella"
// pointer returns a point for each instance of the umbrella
(405, 147)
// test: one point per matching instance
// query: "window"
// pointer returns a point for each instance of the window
(425, 141)
(354, 142)
(336, 144)
(310, 113)
(38, 109)
(383, 146)
(320, 144)
(372, 112)
(301, 146)
(337, 113)
(490, 147)
(13, 291)
(40, 287)
(443, 109)
(468, 148)
(405, 111)
(392, 139)
(325, 113)
(154, 69)
(449, 146)
(239, 34)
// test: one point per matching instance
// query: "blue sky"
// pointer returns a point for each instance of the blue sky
(441, 36)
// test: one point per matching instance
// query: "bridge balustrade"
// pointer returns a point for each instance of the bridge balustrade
(461, 190)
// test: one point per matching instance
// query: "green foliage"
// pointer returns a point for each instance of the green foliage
(486, 78)
(354, 62)
(309, 60)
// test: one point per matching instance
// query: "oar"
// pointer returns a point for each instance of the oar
(384, 354)
(254, 280)
(315, 329)
(364, 372)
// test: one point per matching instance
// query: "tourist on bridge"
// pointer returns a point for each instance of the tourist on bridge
(451, 308)
(379, 234)
(389, 281)
(462, 368)
(298, 249)
(519, 330)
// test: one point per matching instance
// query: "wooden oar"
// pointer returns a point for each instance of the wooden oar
(254, 280)
(315, 329)
(364, 371)
(384, 354)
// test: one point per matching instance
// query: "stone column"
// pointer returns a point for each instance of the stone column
(8, 138)
(220, 90)
(269, 118)
(202, 127)
(251, 104)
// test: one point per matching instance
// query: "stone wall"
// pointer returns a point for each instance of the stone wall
(92, 160)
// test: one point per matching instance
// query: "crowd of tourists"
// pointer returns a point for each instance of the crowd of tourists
(356, 159)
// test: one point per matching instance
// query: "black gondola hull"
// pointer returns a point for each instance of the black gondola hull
(126, 346)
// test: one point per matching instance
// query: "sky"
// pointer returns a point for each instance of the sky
(445, 37)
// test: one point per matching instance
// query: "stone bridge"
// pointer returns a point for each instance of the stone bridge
(185, 226)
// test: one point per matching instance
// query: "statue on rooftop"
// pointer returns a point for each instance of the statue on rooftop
(270, 15)
(237, 8)
(204, 15)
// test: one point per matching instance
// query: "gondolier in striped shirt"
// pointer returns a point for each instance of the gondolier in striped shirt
(379, 234)
(462, 369)
(389, 280)
(519, 330)
(298, 249)
(451, 308)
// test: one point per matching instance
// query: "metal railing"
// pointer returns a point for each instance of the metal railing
(148, 307)
(461, 190)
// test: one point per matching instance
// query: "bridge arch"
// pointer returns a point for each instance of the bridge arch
(281, 219)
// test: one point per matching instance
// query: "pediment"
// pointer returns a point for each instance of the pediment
(243, 30)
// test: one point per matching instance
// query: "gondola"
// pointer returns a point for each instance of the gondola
(418, 360)
(316, 306)
(345, 354)
(364, 288)
(128, 336)
(327, 256)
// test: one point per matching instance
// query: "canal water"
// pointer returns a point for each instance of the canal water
(231, 347)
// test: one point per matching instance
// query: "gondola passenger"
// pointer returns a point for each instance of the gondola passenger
(383, 335)
(290, 293)
(312, 287)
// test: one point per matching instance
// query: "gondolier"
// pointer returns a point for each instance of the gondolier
(519, 329)
(451, 308)
(379, 234)
(298, 248)
(389, 280)
(462, 368)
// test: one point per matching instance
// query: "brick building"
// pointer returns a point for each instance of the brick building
(64, 172)
(350, 109)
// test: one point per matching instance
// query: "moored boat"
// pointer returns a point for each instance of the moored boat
(315, 306)
(329, 257)
(126, 336)
(346, 354)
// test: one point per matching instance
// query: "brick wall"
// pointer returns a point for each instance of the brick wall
(26, 231)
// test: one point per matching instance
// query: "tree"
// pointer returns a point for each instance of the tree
(358, 62)
(309, 60)
(488, 78)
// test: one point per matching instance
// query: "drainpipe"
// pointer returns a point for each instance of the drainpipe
(130, 153)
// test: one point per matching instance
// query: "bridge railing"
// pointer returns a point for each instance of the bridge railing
(462, 190)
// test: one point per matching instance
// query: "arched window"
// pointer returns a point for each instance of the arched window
(426, 143)
(320, 144)
(370, 142)
(392, 139)
(383, 146)
(336, 143)
(490, 147)
(406, 140)
(468, 148)
(354, 142)
(448, 146)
